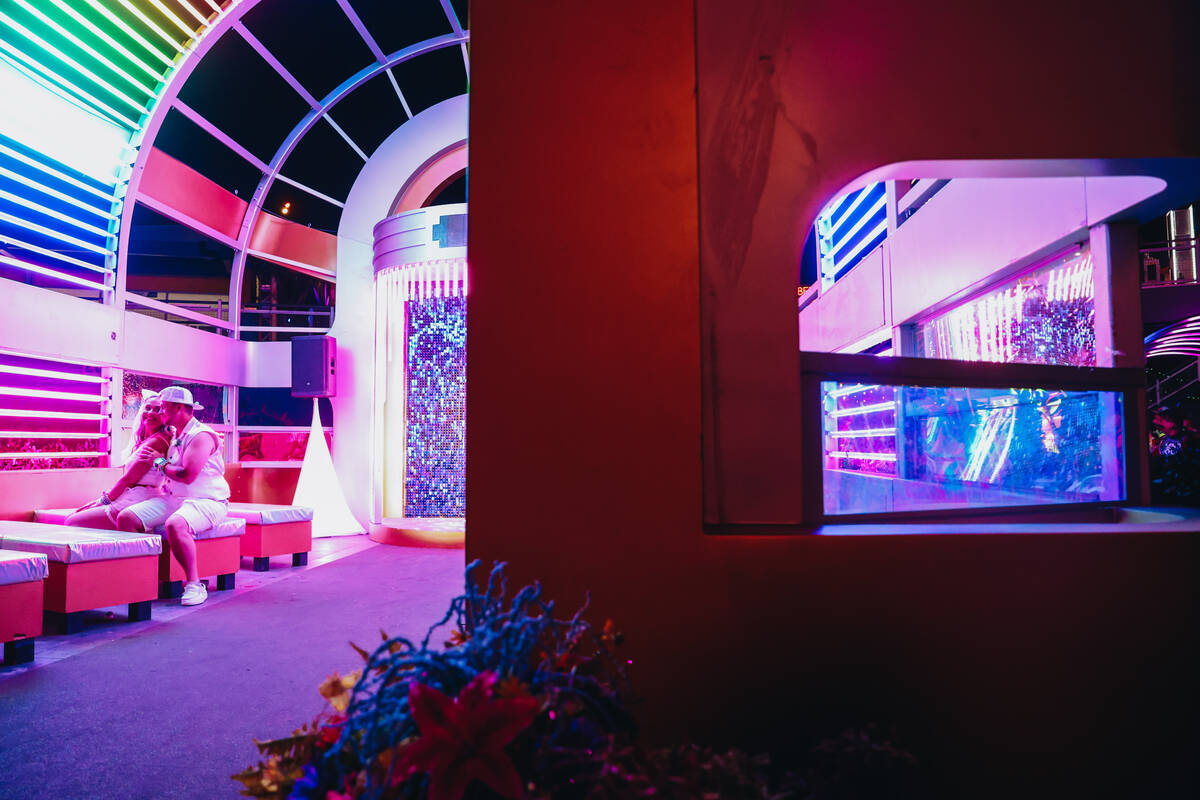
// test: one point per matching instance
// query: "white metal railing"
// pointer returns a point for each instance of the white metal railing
(1167, 263)
(188, 312)
(319, 319)
(1178, 381)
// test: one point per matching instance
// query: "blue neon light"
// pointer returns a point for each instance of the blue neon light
(849, 229)
(54, 219)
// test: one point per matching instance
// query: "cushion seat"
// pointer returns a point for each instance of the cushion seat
(267, 514)
(70, 545)
(230, 526)
(21, 576)
(217, 550)
(18, 566)
(274, 530)
(89, 569)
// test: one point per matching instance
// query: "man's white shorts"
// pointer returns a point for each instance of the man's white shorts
(200, 513)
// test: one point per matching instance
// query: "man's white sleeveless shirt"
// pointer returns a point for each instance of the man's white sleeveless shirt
(210, 483)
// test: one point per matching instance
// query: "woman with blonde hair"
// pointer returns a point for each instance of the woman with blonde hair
(140, 481)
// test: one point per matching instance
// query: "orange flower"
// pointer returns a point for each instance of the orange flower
(457, 638)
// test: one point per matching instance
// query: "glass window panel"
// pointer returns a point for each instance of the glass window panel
(277, 406)
(275, 445)
(1045, 316)
(916, 448)
(210, 396)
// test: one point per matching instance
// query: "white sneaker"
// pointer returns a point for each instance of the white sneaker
(194, 594)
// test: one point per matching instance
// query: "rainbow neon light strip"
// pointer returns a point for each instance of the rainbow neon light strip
(79, 78)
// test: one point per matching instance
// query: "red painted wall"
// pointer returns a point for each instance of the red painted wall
(22, 491)
(1041, 665)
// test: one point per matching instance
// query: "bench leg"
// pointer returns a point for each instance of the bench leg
(18, 651)
(65, 623)
(225, 582)
(299, 559)
(170, 590)
(262, 564)
(139, 612)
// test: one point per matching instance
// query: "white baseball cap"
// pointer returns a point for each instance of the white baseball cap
(181, 395)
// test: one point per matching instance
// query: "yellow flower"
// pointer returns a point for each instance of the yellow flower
(336, 689)
(271, 775)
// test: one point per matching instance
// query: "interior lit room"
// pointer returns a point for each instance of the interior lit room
(830, 383)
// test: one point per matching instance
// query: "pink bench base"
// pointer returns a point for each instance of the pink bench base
(214, 557)
(260, 542)
(73, 588)
(219, 557)
(20, 619)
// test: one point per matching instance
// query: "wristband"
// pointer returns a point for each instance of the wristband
(160, 462)
(104, 499)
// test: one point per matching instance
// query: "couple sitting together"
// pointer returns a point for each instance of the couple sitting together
(174, 476)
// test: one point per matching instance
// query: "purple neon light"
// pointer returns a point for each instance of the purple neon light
(33, 413)
(1181, 339)
(46, 394)
(49, 455)
(53, 273)
(54, 412)
(33, 372)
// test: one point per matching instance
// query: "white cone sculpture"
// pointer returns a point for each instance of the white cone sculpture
(319, 488)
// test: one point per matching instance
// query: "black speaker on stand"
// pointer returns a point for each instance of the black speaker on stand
(314, 362)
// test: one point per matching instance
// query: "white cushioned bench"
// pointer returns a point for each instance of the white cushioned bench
(21, 576)
(218, 551)
(89, 569)
(274, 530)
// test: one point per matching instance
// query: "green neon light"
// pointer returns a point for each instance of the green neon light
(34, 68)
(85, 47)
(120, 23)
(111, 42)
(64, 58)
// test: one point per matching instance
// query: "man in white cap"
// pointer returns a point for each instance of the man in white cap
(197, 495)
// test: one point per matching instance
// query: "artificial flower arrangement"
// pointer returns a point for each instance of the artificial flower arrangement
(516, 704)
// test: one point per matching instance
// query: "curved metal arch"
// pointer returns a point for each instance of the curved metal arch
(149, 131)
(228, 20)
(298, 133)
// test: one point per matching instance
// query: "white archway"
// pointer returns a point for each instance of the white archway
(370, 200)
